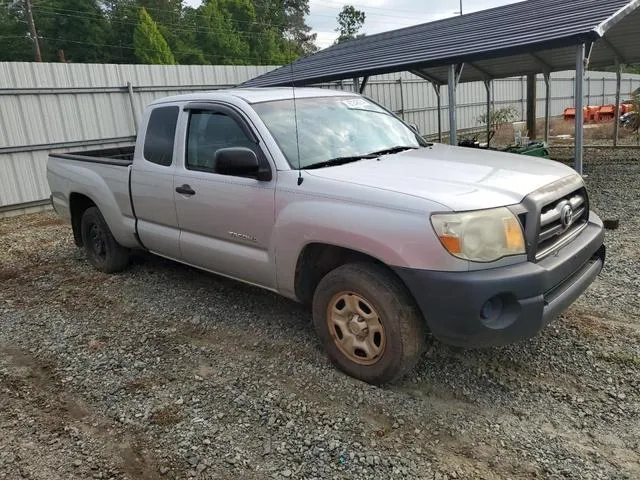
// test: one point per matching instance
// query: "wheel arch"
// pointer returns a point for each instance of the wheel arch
(316, 259)
(78, 204)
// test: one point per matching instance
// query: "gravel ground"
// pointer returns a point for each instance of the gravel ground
(167, 372)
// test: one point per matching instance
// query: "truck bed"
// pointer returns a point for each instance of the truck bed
(117, 156)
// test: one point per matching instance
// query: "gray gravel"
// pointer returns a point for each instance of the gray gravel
(167, 372)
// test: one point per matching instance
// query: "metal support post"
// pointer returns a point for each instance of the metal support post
(437, 88)
(363, 84)
(133, 106)
(487, 86)
(579, 94)
(531, 105)
(617, 110)
(547, 106)
(453, 128)
(523, 100)
(401, 98)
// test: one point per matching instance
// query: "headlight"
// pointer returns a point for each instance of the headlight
(481, 235)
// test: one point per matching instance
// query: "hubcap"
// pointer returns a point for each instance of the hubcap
(355, 328)
(97, 241)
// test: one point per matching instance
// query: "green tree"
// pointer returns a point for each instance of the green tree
(149, 44)
(280, 34)
(75, 28)
(632, 68)
(15, 43)
(217, 35)
(350, 21)
(184, 40)
(169, 17)
(216, 32)
(163, 12)
(122, 19)
(297, 30)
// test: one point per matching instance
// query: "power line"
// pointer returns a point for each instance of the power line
(244, 59)
(172, 28)
(181, 29)
(250, 22)
(369, 7)
(338, 5)
(107, 18)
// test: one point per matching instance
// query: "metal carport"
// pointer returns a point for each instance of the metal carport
(525, 38)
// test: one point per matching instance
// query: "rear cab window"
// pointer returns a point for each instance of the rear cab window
(160, 135)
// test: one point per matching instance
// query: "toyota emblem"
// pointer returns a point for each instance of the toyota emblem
(566, 216)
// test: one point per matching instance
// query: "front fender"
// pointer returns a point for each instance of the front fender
(395, 237)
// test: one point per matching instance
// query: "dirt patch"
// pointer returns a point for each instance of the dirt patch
(8, 273)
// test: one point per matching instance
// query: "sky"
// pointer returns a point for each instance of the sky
(384, 15)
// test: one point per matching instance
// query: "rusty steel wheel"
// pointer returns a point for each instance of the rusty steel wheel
(368, 322)
(356, 328)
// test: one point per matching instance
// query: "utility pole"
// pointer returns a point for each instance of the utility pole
(460, 7)
(33, 32)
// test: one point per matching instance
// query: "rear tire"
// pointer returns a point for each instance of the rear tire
(368, 323)
(102, 249)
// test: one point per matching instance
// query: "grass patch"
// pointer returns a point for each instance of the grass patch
(624, 359)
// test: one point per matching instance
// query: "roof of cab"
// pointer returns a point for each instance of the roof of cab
(253, 95)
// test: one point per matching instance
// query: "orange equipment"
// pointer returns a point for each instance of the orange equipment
(597, 114)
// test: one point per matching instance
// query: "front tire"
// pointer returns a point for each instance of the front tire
(102, 249)
(368, 323)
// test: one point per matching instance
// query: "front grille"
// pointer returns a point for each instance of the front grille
(561, 220)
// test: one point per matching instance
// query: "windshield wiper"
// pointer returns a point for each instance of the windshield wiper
(340, 161)
(354, 158)
(389, 151)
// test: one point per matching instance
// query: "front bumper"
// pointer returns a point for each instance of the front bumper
(524, 297)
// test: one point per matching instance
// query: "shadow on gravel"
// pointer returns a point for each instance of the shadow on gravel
(560, 353)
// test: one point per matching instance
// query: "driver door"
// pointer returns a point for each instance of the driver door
(225, 221)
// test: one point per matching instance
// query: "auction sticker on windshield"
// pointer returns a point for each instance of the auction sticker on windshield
(357, 103)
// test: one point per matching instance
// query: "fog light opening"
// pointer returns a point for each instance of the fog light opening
(492, 309)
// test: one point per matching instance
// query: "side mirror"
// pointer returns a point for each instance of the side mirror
(415, 127)
(240, 162)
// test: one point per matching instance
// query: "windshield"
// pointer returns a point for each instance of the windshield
(333, 127)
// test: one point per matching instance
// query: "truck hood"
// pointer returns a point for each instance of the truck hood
(460, 178)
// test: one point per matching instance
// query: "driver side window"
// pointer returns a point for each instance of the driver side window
(209, 131)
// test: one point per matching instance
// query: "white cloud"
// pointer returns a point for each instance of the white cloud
(326, 39)
(385, 15)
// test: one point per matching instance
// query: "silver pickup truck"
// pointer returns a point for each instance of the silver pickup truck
(329, 199)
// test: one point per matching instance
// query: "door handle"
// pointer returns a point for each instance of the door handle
(185, 190)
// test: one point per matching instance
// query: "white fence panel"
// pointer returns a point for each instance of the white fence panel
(60, 107)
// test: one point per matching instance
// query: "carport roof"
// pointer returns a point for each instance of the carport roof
(528, 37)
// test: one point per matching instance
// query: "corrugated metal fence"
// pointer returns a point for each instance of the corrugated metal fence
(415, 99)
(60, 107)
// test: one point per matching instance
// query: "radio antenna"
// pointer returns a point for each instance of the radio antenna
(295, 117)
